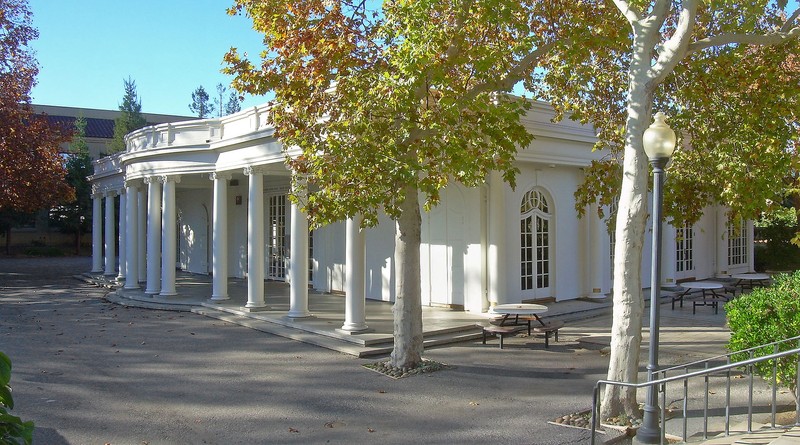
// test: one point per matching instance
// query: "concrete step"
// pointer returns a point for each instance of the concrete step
(761, 435)
(344, 343)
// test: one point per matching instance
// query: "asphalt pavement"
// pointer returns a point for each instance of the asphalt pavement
(88, 371)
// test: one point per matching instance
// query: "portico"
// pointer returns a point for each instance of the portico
(211, 197)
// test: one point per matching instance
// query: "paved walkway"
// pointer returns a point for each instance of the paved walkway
(91, 372)
(682, 333)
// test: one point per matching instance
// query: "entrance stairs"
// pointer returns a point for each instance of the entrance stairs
(361, 345)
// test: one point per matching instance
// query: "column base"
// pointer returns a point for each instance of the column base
(97, 270)
(151, 292)
(354, 329)
(299, 314)
(218, 298)
(167, 294)
(254, 308)
(132, 287)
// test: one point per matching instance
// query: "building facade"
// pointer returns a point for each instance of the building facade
(210, 197)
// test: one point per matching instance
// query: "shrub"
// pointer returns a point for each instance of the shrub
(776, 247)
(12, 429)
(766, 315)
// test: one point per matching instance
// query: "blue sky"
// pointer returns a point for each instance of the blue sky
(169, 47)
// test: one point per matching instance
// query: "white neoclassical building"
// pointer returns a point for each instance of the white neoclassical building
(210, 197)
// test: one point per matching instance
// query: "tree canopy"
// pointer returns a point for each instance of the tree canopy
(32, 171)
(384, 106)
(378, 105)
(724, 71)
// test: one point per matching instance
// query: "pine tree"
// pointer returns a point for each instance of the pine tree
(221, 89)
(131, 118)
(233, 105)
(201, 103)
(75, 216)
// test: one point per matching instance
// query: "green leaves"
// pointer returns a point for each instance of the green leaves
(12, 429)
(405, 95)
(767, 315)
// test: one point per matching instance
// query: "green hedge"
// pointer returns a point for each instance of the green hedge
(766, 315)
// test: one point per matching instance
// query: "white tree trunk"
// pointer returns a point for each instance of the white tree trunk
(626, 329)
(407, 309)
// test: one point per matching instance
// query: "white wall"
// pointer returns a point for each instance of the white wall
(194, 221)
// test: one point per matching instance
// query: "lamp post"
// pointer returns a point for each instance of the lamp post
(659, 144)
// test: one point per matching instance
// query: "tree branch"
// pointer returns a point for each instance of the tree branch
(676, 48)
(627, 10)
(514, 75)
(749, 39)
(660, 10)
(790, 21)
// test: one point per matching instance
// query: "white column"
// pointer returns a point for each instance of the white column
(123, 235)
(219, 244)
(132, 236)
(355, 293)
(298, 270)
(668, 261)
(97, 232)
(110, 250)
(597, 237)
(153, 235)
(497, 239)
(168, 236)
(255, 240)
(721, 265)
(141, 237)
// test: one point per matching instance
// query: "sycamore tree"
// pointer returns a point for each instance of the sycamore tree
(383, 108)
(31, 169)
(720, 69)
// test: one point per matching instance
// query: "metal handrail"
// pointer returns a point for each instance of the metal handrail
(707, 371)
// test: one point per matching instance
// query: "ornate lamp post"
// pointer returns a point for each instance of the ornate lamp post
(659, 144)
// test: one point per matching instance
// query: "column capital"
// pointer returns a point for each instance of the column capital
(151, 179)
(170, 178)
(253, 170)
(222, 176)
(110, 193)
(135, 183)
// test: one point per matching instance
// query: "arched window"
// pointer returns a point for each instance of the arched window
(535, 241)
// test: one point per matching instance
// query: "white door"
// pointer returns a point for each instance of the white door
(446, 250)
(276, 245)
(535, 248)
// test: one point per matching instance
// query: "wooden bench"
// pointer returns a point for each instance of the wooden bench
(550, 327)
(498, 331)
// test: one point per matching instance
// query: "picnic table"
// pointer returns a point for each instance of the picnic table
(751, 279)
(526, 312)
(709, 290)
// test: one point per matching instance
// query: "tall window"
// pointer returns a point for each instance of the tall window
(276, 237)
(737, 242)
(684, 240)
(535, 241)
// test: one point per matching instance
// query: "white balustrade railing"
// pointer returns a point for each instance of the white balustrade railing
(198, 132)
